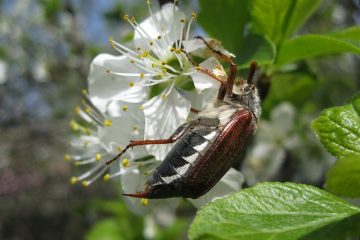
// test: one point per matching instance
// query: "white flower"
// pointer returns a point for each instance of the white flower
(286, 135)
(273, 139)
(146, 93)
(161, 44)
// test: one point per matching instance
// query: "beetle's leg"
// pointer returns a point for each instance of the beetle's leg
(221, 93)
(233, 68)
(194, 110)
(173, 138)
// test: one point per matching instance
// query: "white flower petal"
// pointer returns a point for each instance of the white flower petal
(120, 133)
(199, 101)
(162, 118)
(229, 183)
(163, 210)
(282, 118)
(167, 22)
(203, 81)
(107, 86)
(133, 181)
(198, 48)
(263, 162)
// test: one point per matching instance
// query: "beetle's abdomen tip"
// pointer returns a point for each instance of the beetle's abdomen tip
(137, 195)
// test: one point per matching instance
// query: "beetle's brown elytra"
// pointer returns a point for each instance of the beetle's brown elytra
(207, 147)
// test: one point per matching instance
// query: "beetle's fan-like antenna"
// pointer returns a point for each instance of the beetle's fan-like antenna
(251, 72)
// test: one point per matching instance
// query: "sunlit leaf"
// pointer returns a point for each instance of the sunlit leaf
(339, 128)
(277, 211)
(310, 46)
(279, 19)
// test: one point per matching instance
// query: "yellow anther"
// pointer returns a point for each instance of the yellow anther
(178, 51)
(87, 110)
(125, 162)
(76, 164)
(145, 53)
(163, 97)
(74, 180)
(182, 20)
(151, 43)
(106, 177)
(198, 68)
(153, 65)
(148, 2)
(135, 128)
(107, 71)
(159, 37)
(138, 48)
(77, 110)
(193, 15)
(163, 63)
(131, 84)
(74, 125)
(111, 41)
(98, 157)
(125, 108)
(107, 123)
(172, 49)
(139, 56)
(120, 148)
(133, 20)
(142, 75)
(164, 70)
(84, 92)
(144, 201)
(141, 107)
(126, 17)
(132, 61)
(85, 183)
(67, 157)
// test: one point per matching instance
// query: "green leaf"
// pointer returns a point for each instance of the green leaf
(339, 128)
(291, 87)
(172, 232)
(344, 177)
(279, 19)
(107, 229)
(225, 20)
(351, 34)
(310, 46)
(255, 48)
(277, 211)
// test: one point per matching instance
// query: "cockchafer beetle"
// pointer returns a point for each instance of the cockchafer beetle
(207, 147)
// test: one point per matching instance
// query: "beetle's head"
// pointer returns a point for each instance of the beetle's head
(245, 95)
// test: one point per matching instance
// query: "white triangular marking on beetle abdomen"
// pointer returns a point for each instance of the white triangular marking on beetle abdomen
(182, 170)
(201, 147)
(210, 137)
(192, 158)
(169, 179)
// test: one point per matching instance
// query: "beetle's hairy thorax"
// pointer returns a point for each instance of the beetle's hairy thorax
(223, 110)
